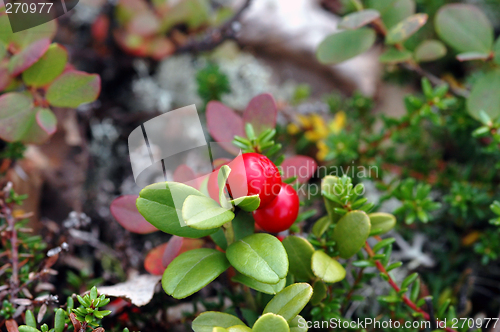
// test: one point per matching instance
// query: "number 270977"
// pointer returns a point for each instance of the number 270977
(18, 7)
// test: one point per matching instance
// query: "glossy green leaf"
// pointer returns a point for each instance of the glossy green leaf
(393, 55)
(327, 268)
(484, 96)
(299, 252)
(290, 301)
(406, 28)
(158, 207)
(3, 51)
(222, 176)
(465, 28)
(26, 328)
(27, 57)
(382, 221)
(429, 50)
(247, 203)
(344, 45)
(321, 226)
(193, 270)
(219, 329)
(358, 19)
(319, 292)
(47, 68)
(59, 320)
(260, 256)
(74, 88)
(201, 212)
(270, 322)
(206, 321)
(393, 11)
(260, 286)
(470, 56)
(29, 318)
(351, 233)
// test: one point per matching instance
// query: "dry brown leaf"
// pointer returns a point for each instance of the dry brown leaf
(139, 290)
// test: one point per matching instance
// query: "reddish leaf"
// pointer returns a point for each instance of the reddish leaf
(125, 212)
(5, 77)
(223, 124)
(144, 24)
(300, 166)
(161, 47)
(100, 28)
(27, 57)
(16, 110)
(11, 325)
(153, 263)
(261, 112)
(178, 245)
(184, 174)
(161, 256)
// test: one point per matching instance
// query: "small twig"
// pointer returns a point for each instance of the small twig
(216, 36)
(405, 298)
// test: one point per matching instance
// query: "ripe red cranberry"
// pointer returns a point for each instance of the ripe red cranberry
(251, 174)
(281, 213)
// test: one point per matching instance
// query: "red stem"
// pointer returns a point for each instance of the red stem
(406, 300)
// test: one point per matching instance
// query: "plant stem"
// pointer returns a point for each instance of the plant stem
(405, 298)
(229, 232)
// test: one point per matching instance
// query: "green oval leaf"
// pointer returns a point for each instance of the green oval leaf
(74, 88)
(327, 268)
(158, 207)
(299, 252)
(201, 212)
(404, 29)
(47, 68)
(27, 57)
(393, 55)
(260, 286)
(26, 328)
(465, 28)
(484, 96)
(290, 301)
(321, 225)
(393, 11)
(358, 19)
(193, 270)
(344, 45)
(382, 221)
(430, 50)
(270, 322)
(59, 320)
(247, 203)
(351, 233)
(210, 319)
(259, 256)
(46, 120)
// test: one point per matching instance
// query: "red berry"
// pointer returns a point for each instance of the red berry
(251, 174)
(281, 213)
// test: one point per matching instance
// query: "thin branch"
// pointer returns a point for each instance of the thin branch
(405, 298)
(215, 36)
